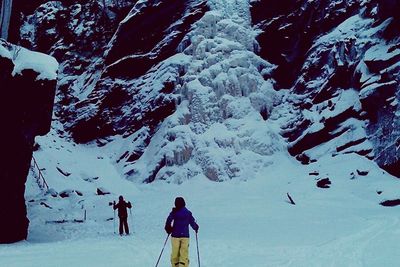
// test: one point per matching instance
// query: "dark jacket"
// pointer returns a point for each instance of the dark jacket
(121, 206)
(181, 218)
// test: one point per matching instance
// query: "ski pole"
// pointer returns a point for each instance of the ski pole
(113, 205)
(198, 253)
(130, 211)
(114, 222)
(162, 250)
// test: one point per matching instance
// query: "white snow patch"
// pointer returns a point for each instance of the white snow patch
(46, 66)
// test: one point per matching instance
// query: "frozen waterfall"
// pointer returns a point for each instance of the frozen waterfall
(5, 15)
(217, 129)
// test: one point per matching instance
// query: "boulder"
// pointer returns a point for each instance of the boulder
(390, 203)
(101, 191)
(324, 183)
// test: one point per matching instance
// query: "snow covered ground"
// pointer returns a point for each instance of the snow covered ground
(242, 223)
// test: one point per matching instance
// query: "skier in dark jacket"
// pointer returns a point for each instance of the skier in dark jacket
(181, 218)
(122, 214)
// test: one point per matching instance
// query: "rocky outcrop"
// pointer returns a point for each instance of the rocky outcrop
(76, 33)
(340, 59)
(28, 82)
(124, 63)
(164, 91)
(290, 27)
(113, 82)
(102, 52)
(174, 20)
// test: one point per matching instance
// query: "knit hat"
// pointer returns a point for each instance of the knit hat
(179, 203)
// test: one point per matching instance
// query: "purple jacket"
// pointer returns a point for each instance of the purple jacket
(181, 218)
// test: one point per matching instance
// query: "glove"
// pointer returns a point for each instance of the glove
(114, 202)
(168, 229)
(197, 230)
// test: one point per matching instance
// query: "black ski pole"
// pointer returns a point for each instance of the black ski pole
(130, 211)
(114, 222)
(113, 205)
(198, 253)
(162, 250)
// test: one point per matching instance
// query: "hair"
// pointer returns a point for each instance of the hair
(179, 203)
(121, 198)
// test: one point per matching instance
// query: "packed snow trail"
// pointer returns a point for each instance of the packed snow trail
(5, 15)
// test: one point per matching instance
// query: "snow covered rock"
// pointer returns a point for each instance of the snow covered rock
(340, 59)
(28, 82)
(160, 94)
(289, 29)
(174, 20)
(74, 32)
(120, 102)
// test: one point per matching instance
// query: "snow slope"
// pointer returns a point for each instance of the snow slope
(241, 222)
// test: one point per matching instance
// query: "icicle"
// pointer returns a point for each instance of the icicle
(5, 15)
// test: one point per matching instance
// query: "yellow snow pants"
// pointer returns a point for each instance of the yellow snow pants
(180, 252)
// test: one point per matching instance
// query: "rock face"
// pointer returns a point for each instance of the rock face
(165, 92)
(340, 60)
(289, 29)
(119, 85)
(102, 51)
(76, 33)
(201, 69)
(28, 82)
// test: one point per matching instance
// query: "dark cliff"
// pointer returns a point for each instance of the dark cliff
(26, 106)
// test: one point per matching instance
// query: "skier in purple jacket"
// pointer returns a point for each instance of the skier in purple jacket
(181, 218)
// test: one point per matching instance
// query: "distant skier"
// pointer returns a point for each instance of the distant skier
(181, 218)
(122, 214)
